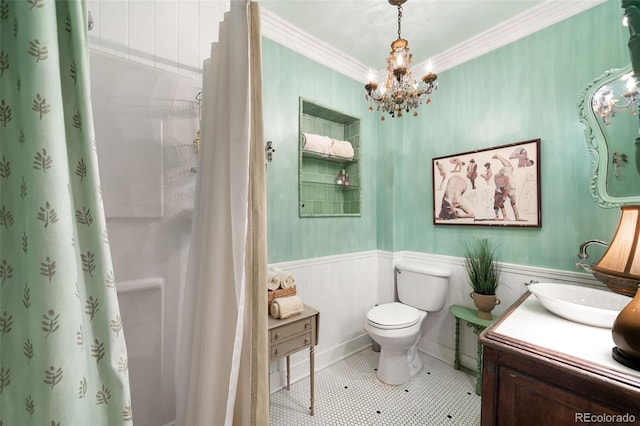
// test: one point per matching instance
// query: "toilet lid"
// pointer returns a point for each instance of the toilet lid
(393, 315)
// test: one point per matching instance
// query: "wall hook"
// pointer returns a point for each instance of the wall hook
(268, 151)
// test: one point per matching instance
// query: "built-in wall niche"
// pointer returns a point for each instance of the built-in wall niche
(329, 174)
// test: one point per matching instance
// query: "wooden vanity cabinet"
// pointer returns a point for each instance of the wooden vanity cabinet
(524, 384)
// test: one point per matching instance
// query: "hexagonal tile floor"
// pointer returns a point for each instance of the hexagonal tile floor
(349, 393)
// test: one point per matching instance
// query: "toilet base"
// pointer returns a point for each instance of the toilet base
(398, 366)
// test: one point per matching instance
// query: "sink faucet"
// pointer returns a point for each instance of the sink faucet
(583, 253)
(583, 247)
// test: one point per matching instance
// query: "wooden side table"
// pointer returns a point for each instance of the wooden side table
(477, 324)
(293, 334)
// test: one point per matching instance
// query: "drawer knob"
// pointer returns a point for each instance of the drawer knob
(276, 351)
(277, 335)
(307, 326)
(306, 341)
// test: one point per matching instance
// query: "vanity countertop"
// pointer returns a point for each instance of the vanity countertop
(540, 369)
(532, 324)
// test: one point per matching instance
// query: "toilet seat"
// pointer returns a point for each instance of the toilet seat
(392, 316)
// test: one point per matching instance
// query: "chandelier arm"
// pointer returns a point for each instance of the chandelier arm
(623, 105)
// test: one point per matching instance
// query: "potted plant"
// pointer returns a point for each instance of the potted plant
(484, 274)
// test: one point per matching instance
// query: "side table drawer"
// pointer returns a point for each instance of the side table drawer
(284, 348)
(292, 329)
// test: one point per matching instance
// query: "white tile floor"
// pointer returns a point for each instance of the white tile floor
(348, 393)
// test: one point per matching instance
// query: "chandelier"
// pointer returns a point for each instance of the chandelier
(401, 91)
(616, 97)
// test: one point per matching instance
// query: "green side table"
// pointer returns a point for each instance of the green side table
(477, 324)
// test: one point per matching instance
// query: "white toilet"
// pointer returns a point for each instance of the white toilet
(396, 326)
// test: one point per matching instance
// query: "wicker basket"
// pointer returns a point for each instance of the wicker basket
(281, 292)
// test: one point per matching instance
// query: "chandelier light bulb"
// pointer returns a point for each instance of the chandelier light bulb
(608, 97)
(372, 76)
(429, 67)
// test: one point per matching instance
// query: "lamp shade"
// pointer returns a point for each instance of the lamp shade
(622, 258)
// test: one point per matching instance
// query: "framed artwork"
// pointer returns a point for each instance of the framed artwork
(497, 186)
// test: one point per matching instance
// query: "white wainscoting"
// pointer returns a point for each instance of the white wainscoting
(344, 287)
(438, 330)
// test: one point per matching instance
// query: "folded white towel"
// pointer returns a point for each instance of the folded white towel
(274, 279)
(287, 279)
(342, 149)
(316, 143)
(284, 307)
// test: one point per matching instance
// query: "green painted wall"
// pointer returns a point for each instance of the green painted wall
(288, 76)
(528, 89)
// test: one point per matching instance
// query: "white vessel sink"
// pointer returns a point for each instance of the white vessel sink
(584, 305)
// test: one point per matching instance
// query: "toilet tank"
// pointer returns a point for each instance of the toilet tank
(422, 286)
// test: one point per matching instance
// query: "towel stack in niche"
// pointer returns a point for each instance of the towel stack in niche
(281, 296)
(326, 146)
(342, 149)
(317, 144)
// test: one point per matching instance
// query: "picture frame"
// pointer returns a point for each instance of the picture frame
(497, 186)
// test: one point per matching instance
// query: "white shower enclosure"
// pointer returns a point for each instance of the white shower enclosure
(146, 121)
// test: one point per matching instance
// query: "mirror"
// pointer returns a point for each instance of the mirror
(609, 112)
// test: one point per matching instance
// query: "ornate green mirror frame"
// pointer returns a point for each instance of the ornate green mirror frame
(608, 109)
(615, 180)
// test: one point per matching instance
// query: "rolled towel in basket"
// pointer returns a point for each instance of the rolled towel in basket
(342, 149)
(316, 143)
(284, 307)
(274, 279)
(287, 280)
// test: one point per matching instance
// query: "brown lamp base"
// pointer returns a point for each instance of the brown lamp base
(625, 359)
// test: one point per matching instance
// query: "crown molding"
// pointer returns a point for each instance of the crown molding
(288, 35)
(528, 22)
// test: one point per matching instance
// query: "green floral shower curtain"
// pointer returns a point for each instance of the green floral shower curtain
(63, 358)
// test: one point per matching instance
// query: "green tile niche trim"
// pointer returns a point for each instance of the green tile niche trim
(319, 195)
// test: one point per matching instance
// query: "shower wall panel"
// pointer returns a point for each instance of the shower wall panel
(171, 35)
(141, 310)
(146, 120)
